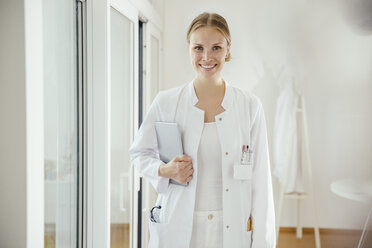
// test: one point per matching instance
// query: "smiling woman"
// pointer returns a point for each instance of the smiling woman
(228, 201)
(209, 45)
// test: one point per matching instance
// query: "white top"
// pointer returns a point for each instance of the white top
(209, 180)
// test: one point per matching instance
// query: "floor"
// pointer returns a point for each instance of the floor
(329, 238)
(119, 236)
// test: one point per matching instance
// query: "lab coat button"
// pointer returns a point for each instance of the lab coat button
(227, 153)
(220, 119)
(210, 216)
(227, 226)
(227, 190)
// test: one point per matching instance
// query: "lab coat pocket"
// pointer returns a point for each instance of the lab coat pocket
(243, 171)
(160, 213)
(160, 230)
(158, 234)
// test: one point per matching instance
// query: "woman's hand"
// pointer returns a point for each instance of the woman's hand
(179, 169)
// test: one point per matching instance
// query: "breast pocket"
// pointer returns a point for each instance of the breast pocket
(243, 171)
(243, 167)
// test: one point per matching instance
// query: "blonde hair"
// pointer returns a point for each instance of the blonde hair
(214, 20)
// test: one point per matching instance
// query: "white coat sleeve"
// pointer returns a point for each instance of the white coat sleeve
(263, 211)
(144, 151)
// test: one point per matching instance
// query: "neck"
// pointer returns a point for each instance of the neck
(211, 81)
(209, 87)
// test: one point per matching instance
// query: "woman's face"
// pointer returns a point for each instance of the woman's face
(208, 50)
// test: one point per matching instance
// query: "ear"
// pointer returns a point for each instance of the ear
(228, 50)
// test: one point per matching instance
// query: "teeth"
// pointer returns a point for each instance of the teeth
(208, 67)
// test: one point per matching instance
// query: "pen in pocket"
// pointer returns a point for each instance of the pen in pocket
(247, 155)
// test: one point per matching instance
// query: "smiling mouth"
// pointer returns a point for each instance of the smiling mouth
(208, 67)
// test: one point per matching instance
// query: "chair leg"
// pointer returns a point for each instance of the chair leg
(367, 227)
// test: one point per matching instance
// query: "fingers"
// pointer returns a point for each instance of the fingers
(183, 158)
(184, 169)
(187, 172)
(184, 166)
(188, 179)
(183, 162)
(184, 172)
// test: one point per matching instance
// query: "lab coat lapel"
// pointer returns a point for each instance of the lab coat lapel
(228, 125)
(192, 133)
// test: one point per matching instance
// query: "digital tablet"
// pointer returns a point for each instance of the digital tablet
(169, 142)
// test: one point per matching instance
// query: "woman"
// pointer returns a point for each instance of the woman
(228, 201)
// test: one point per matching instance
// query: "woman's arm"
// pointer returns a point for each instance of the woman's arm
(144, 151)
(263, 212)
(144, 154)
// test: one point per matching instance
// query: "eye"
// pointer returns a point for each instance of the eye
(197, 48)
(217, 47)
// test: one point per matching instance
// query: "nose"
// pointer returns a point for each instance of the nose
(206, 54)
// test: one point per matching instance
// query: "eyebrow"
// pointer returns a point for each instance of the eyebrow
(212, 44)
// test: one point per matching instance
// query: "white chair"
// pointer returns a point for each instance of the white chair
(361, 191)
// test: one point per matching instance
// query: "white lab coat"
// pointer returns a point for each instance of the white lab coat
(285, 124)
(249, 192)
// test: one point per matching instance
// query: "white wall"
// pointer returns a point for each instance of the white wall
(316, 44)
(21, 130)
(13, 126)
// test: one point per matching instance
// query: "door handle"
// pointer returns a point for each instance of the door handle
(123, 177)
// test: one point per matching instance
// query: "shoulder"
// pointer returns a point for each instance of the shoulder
(248, 104)
(169, 96)
(246, 98)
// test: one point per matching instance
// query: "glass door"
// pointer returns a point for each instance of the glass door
(123, 36)
(115, 113)
(61, 125)
(151, 87)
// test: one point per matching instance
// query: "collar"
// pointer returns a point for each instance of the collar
(227, 99)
